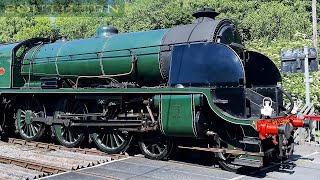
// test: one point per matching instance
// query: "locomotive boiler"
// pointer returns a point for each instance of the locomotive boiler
(190, 85)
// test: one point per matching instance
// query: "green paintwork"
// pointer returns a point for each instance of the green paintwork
(115, 59)
(177, 115)
(197, 99)
(5, 63)
(17, 79)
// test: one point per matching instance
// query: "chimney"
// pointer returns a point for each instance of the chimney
(205, 14)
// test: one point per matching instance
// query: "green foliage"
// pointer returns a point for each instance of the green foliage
(10, 26)
(271, 21)
(155, 14)
(255, 18)
(40, 27)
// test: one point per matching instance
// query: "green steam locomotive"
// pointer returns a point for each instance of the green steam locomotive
(192, 85)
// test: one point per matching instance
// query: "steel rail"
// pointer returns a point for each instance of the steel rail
(32, 165)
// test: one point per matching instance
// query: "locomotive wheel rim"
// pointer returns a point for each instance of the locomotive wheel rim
(225, 159)
(112, 141)
(67, 134)
(28, 130)
(156, 147)
(70, 136)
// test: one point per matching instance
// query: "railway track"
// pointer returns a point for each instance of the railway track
(50, 168)
(21, 159)
(187, 165)
(54, 147)
(32, 165)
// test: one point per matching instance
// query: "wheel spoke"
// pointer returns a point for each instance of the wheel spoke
(112, 141)
(74, 133)
(159, 149)
(22, 126)
(72, 139)
(73, 107)
(116, 140)
(148, 146)
(34, 103)
(36, 127)
(29, 130)
(67, 135)
(63, 132)
(32, 133)
(162, 144)
(107, 140)
(28, 105)
(26, 129)
(103, 137)
(120, 137)
(78, 110)
(153, 149)
(33, 130)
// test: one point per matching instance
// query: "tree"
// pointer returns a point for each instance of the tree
(10, 26)
(271, 21)
(40, 27)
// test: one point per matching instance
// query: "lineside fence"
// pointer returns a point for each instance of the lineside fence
(311, 135)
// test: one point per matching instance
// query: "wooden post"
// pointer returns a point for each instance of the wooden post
(314, 24)
(315, 45)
